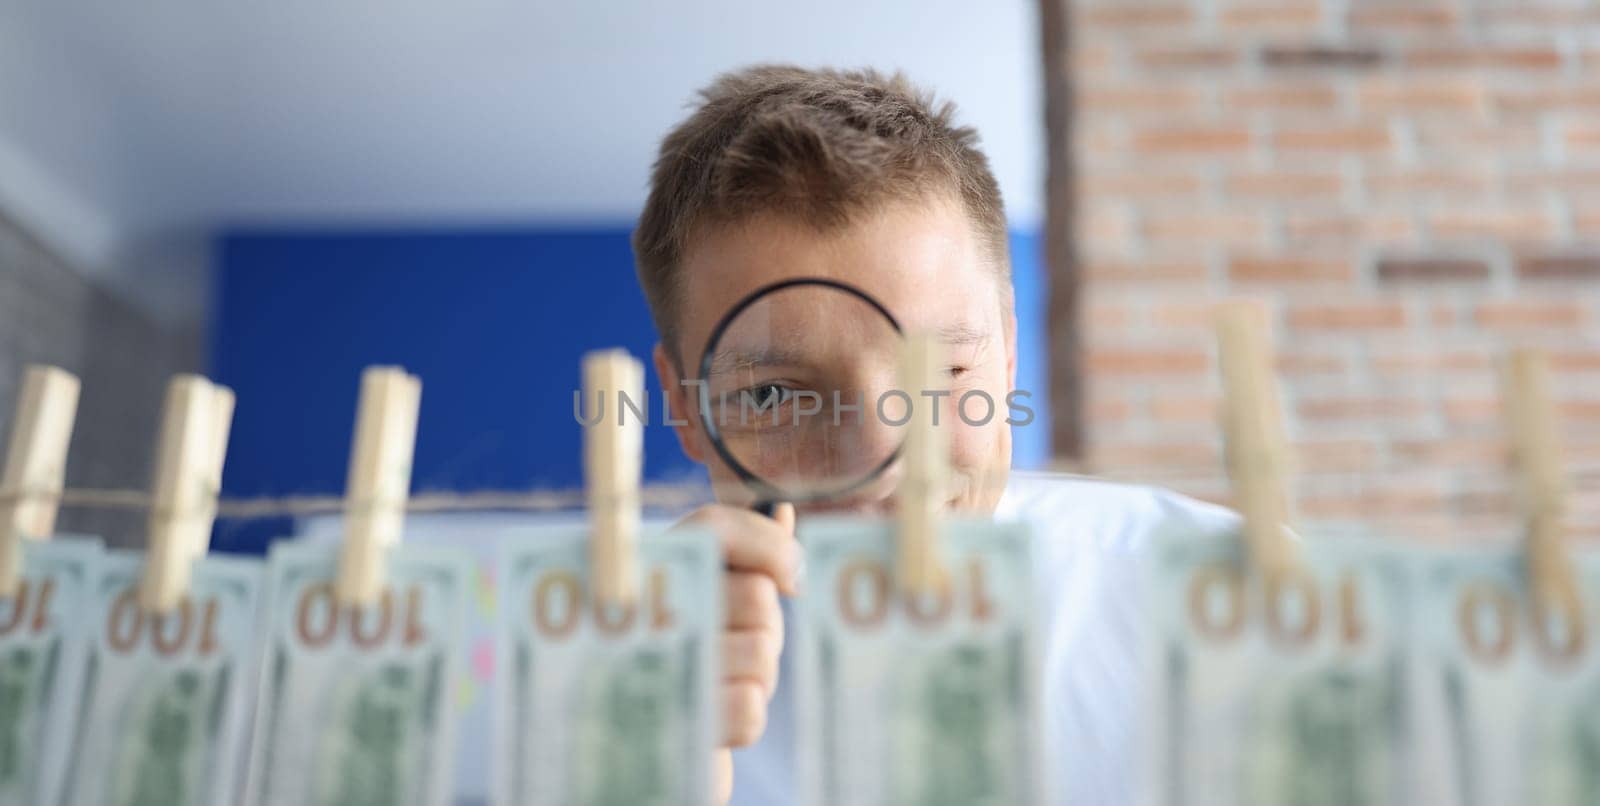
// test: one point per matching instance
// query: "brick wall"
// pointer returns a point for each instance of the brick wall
(50, 314)
(1411, 186)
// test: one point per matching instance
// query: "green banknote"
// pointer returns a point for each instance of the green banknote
(1519, 691)
(607, 706)
(1294, 691)
(164, 698)
(356, 705)
(41, 658)
(917, 701)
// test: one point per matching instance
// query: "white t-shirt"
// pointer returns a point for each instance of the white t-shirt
(1091, 536)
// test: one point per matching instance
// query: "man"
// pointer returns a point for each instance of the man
(783, 172)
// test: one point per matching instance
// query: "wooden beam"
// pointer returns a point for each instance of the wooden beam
(1061, 265)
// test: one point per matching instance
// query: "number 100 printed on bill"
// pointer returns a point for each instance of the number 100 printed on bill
(1292, 689)
(929, 699)
(357, 705)
(607, 705)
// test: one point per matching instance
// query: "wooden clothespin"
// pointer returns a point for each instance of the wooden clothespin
(919, 565)
(1252, 428)
(36, 465)
(379, 483)
(193, 444)
(613, 453)
(1531, 423)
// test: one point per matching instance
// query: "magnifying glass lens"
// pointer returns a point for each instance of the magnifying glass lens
(794, 381)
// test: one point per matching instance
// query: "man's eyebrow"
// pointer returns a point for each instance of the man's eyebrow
(962, 335)
(735, 359)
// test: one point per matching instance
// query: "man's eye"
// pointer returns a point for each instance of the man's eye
(769, 394)
(956, 372)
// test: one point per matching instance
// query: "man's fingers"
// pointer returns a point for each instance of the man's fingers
(752, 602)
(721, 777)
(751, 656)
(744, 713)
(754, 542)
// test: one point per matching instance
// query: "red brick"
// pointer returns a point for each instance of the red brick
(1140, 98)
(1335, 455)
(1393, 362)
(1188, 57)
(1360, 408)
(1286, 185)
(1578, 410)
(1439, 138)
(1583, 136)
(1499, 57)
(1090, 58)
(1136, 15)
(1431, 270)
(1334, 138)
(1095, 140)
(1408, 18)
(1470, 410)
(1542, 99)
(1587, 222)
(1105, 227)
(1144, 456)
(1107, 316)
(1575, 360)
(1322, 57)
(1347, 316)
(1511, 225)
(1140, 185)
(1542, 18)
(1192, 140)
(1148, 361)
(1282, 97)
(1449, 451)
(1228, 229)
(1565, 267)
(1407, 183)
(1183, 315)
(1378, 501)
(1374, 227)
(1183, 410)
(1110, 271)
(1566, 181)
(1109, 410)
(1288, 270)
(1517, 315)
(1418, 95)
(1294, 362)
(1274, 17)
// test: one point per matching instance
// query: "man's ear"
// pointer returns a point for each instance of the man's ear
(678, 401)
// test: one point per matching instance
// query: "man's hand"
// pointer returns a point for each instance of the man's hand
(762, 559)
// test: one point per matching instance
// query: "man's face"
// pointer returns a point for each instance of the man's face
(923, 263)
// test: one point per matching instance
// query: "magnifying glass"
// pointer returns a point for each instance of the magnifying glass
(796, 391)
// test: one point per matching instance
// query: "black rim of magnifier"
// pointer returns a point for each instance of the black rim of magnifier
(767, 495)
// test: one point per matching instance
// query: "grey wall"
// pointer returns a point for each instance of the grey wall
(51, 314)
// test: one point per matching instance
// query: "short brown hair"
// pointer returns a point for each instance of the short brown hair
(818, 145)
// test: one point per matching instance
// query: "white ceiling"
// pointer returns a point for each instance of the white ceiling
(129, 132)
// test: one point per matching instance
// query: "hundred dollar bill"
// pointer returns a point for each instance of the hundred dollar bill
(41, 658)
(356, 706)
(1519, 690)
(922, 701)
(1289, 691)
(164, 697)
(607, 706)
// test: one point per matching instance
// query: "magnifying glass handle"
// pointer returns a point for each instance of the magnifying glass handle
(767, 508)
